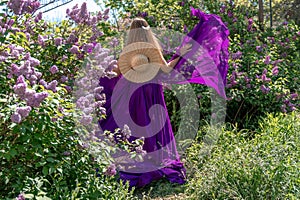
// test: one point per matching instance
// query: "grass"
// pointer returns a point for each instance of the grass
(264, 167)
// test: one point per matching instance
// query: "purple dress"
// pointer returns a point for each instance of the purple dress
(142, 107)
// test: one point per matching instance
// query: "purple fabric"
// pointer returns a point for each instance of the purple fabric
(207, 62)
(142, 107)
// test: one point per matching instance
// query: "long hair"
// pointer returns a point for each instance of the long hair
(140, 32)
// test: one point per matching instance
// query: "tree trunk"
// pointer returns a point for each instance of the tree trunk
(261, 14)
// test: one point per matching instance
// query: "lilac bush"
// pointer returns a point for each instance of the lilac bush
(39, 141)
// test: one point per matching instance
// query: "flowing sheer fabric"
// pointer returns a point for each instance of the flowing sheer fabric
(142, 106)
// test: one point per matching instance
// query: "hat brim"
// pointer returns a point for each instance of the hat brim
(141, 73)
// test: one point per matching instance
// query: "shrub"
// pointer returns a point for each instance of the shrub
(266, 167)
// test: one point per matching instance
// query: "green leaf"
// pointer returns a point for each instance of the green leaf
(45, 170)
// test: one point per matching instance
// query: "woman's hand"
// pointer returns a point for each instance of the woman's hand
(185, 49)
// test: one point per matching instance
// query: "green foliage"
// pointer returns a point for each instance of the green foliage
(265, 167)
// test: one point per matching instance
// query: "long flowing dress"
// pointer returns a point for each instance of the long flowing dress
(142, 107)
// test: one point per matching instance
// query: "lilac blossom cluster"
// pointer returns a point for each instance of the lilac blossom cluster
(32, 98)
(83, 17)
(20, 7)
(90, 98)
(6, 24)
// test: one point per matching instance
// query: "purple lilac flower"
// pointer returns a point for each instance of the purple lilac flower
(83, 14)
(283, 108)
(74, 49)
(114, 42)
(111, 170)
(264, 89)
(20, 79)
(267, 60)
(53, 69)
(43, 83)
(67, 153)
(37, 99)
(23, 111)
(294, 96)
(88, 47)
(38, 17)
(222, 9)
(33, 79)
(29, 94)
(181, 3)
(58, 41)
(64, 79)
(82, 102)
(86, 120)
(265, 78)
(229, 14)
(250, 23)
(15, 69)
(275, 71)
(20, 89)
(126, 131)
(21, 197)
(258, 48)
(16, 118)
(41, 40)
(52, 85)
(265, 71)
(237, 55)
(72, 38)
(34, 62)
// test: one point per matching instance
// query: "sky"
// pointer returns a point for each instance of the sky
(59, 13)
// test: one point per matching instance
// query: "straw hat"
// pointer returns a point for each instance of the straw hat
(140, 62)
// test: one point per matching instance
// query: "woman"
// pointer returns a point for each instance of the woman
(162, 159)
(135, 97)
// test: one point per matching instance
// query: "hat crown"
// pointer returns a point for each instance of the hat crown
(139, 59)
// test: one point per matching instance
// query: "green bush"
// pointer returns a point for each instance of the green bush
(265, 167)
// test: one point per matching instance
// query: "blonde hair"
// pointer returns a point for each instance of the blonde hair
(140, 32)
